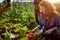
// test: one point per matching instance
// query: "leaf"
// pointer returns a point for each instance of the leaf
(24, 39)
(7, 34)
(25, 28)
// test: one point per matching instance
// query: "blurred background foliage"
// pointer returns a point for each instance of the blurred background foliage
(17, 21)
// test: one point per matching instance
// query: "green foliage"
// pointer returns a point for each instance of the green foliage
(24, 39)
(18, 20)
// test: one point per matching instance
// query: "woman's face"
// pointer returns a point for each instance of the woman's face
(42, 9)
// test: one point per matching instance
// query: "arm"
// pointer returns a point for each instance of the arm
(41, 31)
(54, 28)
(51, 30)
(30, 35)
(36, 28)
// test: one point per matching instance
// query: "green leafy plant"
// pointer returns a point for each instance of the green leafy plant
(18, 21)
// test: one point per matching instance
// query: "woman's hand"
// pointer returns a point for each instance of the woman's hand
(49, 31)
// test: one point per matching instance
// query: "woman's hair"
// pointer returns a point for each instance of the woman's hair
(49, 10)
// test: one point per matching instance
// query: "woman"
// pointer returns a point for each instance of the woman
(49, 21)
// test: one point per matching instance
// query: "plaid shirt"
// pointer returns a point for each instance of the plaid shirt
(54, 23)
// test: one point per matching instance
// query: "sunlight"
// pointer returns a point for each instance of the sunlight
(53, 1)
